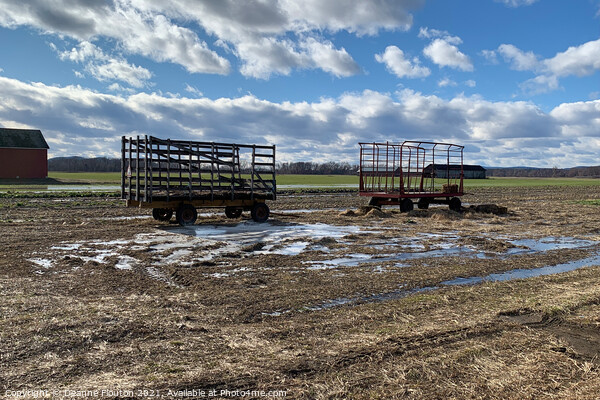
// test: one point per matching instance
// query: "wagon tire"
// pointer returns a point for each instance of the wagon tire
(162, 214)
(233, 212)
(455, 204)
(186, 214)
(423, 204)
(406, 205)
(260, 212)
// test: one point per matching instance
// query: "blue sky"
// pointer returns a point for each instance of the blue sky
(515, 81)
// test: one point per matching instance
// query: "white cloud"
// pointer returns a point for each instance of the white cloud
(427, 33)
(268, 36)
(540, 84)
(579, 60)
(103, 67)
(361, 17)
(193, 90)
(490, 56)
(399, 65)
(78, 121)
(519, 60)
(444, 82)
(329, 59)
(581, 119)
(517, 3)
(576, 60)
(471, 83)
(138, 32)
(445, 54)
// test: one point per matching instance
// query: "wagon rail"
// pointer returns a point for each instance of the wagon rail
(397, 173)
(171, 175)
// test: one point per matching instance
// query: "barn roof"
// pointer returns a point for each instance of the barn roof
(22, 138)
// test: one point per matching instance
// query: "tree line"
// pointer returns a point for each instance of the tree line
(576, 172)
(103, 164)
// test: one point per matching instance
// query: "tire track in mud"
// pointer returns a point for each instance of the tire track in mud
(584, 341)
(394, 347)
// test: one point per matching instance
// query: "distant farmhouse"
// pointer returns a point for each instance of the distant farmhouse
(23, 154)
(453, 171)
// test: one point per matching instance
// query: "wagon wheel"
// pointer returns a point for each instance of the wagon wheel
(423, 203)
(162, 214)
(186, 214)
(454, 204)
(233, 212)
(406, 205)
(260, 212)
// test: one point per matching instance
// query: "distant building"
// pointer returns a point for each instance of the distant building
(23, 154)
(453, 171)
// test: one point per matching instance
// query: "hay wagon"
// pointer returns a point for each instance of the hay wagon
(179, 176)
(399, 173)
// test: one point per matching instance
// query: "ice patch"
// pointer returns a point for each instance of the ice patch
(126, 263)
(42, 262)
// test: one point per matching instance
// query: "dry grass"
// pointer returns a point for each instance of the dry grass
(86, 325)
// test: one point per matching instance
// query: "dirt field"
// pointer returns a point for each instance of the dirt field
(324, 301)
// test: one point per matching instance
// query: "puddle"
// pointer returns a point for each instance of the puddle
(450, 248)
(401, 293)
(548, 243)
(250, 232)
(527, 273)
(357, 259)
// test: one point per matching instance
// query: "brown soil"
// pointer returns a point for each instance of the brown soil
(92, 300)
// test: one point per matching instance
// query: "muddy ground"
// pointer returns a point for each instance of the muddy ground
(326, 300)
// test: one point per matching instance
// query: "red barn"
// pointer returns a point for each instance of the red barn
(23, 154)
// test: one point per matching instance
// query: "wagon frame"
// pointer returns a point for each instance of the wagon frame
(397, 173)
(179, 176)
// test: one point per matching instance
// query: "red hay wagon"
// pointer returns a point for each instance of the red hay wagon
(397, 173)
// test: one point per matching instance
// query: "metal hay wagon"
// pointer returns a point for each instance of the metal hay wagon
(179, 176)
(397, 173)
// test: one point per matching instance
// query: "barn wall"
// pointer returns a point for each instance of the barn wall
(23, 163)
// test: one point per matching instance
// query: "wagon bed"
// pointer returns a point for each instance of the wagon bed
(177, 176)
(397, 173)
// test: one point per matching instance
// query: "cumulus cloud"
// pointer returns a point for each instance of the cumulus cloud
(151, 35)
(576, 60)
(427, 33)
(579, 60)
(329, 59)
(103, 67)
(78, 121)
(445, 54)
(268, 36)
(520, 60)
(399, 65)
(446, 82)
